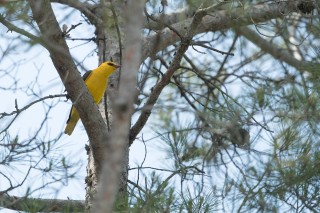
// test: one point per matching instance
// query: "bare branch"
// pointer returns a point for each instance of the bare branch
(18, 111)
(202, 44)
(146, 111)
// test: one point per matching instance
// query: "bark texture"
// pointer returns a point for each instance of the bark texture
(115, 163)
(109, 36)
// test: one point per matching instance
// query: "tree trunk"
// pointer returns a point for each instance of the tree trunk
(108, 44)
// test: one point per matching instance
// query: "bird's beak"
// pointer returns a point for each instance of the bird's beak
(117, 65)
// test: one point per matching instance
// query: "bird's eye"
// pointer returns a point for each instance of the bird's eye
(110, 64)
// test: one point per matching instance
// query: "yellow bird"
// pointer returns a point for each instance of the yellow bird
(96, 81)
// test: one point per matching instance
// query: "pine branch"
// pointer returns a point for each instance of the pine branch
(219, 20)
(161, 20)
(274, 50)
(40, 205)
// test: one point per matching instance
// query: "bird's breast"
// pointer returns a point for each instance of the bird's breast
(97, 85)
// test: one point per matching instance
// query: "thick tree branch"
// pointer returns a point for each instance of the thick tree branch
(219, 20)
(62, 60)
(40, 205)
(85, 8)
(161, 20)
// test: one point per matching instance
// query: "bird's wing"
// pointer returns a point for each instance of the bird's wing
(86, 75)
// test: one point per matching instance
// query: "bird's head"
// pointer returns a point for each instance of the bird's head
(109, 66)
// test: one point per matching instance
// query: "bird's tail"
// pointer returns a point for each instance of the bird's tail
(72, 121)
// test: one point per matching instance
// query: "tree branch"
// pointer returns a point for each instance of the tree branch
(161, 20)
(12, 27)
(40, 205)
(75, 86)
(85, 8)
(18, 111)
(272, 49)
(146, 110)
(219, 20)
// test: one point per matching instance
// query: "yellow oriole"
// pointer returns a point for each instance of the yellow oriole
(96, 81)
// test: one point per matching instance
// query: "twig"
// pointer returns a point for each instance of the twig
(185, 42)
(211, 48)
(17, 111)
(16, 29)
